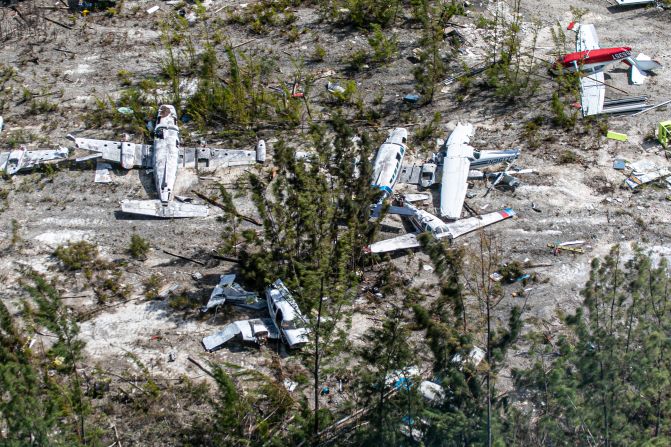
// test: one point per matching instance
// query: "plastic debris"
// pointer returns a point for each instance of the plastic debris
(618, 164)
(663, 133)
(125, 110)
(617, 136)
(412, 99)
(334, 87)
(290, 385)
(153, 9)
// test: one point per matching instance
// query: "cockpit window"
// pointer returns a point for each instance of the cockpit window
(398, 157)
(476, 155)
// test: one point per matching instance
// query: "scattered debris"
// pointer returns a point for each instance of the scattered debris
(228, 291)
(411, 99)
(645, 171)
(290, 385)
(166, 290)
(617, 136)
(126, 110)
(566, 246)
(334, 87)
(153, 9)
(197, 276)
(103, 172)
(619, 164)
(535, 208)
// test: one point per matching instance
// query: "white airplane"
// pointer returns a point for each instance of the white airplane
(388, 164)
(286, 323)
(22, 159)
(590, 59)
(166, 157)
(423, 221)
(457, 163)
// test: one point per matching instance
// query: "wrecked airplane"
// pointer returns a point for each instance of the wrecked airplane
(286, 323)
(165, 157)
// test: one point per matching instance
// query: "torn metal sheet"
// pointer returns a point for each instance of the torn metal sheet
(257, 330)
(103, 172)
(645, 171)
(228, 291)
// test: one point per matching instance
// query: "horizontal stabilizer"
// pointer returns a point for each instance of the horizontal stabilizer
(401, 211)
(157, 208)
(464, 226)
(397, 243)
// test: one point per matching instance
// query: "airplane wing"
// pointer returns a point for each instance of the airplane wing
(396, 243)
(592, 93)
(587, 38)
(211, 158)
(158, 209)
(464, 226)
(19, 159)
(456, 166)
(246, 330)
(129, 155)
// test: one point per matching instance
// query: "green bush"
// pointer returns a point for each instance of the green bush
(139, 247)
(77, 255)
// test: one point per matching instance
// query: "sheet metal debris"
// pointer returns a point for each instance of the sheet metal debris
(228, 291)
(103, 172)
(645, 171)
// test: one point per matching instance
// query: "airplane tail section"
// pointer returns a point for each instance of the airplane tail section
(464, 226)
(156, 208)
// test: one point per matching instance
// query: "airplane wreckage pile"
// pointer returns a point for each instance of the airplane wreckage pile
(451, 167)
(446, 174)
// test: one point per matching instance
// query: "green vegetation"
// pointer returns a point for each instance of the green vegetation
(78, 255)
(139, 247)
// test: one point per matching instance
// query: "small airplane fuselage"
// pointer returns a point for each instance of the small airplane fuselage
(389, 160)
(481, 159)
(425, 221)
(166, 152)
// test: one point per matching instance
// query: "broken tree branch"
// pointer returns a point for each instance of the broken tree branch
(182, 257)
(57, 23)
(220, 206)
(202, 368)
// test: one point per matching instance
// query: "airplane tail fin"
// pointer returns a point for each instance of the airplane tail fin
(168, 210)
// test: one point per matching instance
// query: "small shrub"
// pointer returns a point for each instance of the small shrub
(568, 157)
(357, 60)
(139, 247)
(384, 48)
(78, 255)
(152, 286)
(319, 53)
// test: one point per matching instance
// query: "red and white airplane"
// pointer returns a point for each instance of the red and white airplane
(591, 59)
